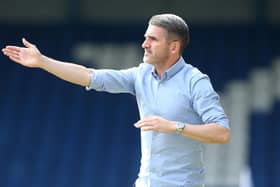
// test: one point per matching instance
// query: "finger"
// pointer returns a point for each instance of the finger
(15, 58)
(138, 124)
(12, 55)
(12, 48)
(149, 119)
(8, 52)
(26, 43)
(147, 128)
(141, 123)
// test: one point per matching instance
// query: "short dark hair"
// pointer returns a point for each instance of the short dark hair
(174, 25)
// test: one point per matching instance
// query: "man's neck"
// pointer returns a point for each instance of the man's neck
(161, 68)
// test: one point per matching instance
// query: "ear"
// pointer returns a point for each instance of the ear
(175, 47)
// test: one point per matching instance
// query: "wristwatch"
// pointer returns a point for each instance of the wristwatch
(179, 127)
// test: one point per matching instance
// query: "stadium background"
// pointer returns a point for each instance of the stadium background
(53, 133)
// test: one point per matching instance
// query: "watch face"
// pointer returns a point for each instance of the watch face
(180, 125)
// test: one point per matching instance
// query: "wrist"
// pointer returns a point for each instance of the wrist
(42, 61)
(180, 126)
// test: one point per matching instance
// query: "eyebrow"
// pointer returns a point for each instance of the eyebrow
(149, 36)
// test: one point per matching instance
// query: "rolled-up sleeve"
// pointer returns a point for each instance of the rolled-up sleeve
(206, 102)
(113, 81)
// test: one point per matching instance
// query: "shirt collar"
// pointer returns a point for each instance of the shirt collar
(172, 70)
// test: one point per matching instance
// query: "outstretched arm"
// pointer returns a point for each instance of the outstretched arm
(30, 56)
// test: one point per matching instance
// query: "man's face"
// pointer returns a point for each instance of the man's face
(156, 45)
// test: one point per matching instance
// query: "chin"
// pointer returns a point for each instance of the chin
(149, 59)
(145, 60)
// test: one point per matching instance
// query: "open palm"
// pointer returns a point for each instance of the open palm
(28, 56)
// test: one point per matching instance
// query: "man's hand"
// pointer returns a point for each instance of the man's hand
(156, 123)
(28, 56)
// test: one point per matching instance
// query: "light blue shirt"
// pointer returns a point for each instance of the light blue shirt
(182, 94)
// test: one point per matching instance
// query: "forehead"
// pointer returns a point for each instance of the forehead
(155, 31)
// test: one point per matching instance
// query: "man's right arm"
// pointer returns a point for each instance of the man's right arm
(30, 56)
(70, 72)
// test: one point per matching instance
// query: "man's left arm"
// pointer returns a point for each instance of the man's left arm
(205, 102)
(207, 133)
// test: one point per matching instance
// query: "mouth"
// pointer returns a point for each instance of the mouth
(146, 53)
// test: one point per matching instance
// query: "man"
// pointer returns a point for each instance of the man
(178, 107)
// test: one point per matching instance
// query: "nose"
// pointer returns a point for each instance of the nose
(145, 44)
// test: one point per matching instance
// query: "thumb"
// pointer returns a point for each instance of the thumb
(26, 43)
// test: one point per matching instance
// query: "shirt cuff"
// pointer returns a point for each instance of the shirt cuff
(92, 77)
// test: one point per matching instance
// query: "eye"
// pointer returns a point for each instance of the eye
(153, 38)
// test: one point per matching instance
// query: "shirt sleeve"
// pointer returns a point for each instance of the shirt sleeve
(206, 102)
(113, 81)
